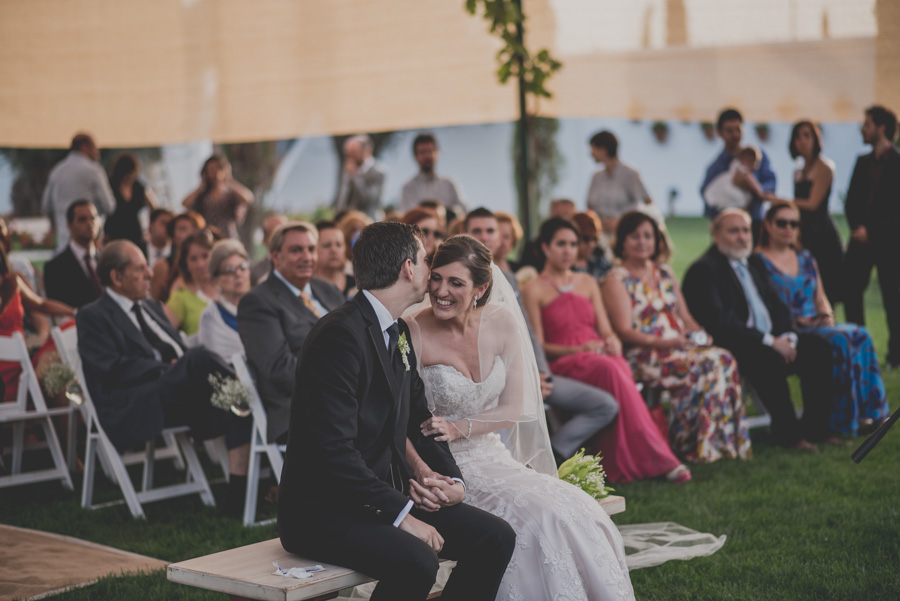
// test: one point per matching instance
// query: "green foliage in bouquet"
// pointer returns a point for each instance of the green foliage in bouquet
(585, 472)
(229, 395)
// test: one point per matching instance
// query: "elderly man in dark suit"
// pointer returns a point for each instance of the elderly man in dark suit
(275, 317)
(141, 377)
(347, 492)
(729, 292)
(71, 276)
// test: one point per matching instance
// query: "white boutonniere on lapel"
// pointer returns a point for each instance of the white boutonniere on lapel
(403, 347)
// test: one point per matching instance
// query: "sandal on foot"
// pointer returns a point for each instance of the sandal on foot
(679, 475)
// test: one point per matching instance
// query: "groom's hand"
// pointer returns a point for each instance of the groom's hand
(422, 531)
(436, 491)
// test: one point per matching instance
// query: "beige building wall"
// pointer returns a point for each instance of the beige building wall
(167, 71)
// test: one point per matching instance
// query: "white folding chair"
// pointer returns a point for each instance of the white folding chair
(99, 445)
(259, 444)
(13, 349)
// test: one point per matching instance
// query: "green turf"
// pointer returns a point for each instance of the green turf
(799, 526)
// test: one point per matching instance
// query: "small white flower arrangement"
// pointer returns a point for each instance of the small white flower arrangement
(229, 395)
(59, 378)
(585, 472)
(403, 347)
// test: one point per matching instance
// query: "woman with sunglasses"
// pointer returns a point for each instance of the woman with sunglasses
(229, 270)
(429, 223)
(860, 402)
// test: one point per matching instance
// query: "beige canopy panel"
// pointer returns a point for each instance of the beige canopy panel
(167, 71)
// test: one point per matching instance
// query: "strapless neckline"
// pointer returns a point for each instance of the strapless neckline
(460, 374)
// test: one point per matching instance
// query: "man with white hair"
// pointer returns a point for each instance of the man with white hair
(727, 289)
(362, 180)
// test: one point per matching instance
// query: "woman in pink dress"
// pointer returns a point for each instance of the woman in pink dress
(567, 314)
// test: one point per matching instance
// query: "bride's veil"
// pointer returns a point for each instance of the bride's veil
(504, 325)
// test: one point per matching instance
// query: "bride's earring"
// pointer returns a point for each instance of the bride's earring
(475, 302)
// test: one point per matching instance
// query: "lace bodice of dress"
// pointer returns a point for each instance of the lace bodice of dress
(457, 397)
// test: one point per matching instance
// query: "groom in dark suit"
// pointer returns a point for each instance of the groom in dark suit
(347, 493)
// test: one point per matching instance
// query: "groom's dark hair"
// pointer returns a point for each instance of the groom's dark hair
(380, 252)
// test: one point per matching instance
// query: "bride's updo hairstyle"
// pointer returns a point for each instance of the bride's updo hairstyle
(474, 255)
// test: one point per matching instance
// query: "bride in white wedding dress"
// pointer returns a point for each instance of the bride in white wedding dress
(481, 380)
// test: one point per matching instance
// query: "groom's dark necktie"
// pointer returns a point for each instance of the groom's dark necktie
(393, 341)
(165, 349)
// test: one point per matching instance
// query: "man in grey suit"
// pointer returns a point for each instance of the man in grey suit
(275, 317)
(362, 180)
(592, 409)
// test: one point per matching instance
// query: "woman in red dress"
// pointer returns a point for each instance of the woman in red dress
(567, 314)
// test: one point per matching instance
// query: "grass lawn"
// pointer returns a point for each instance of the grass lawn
(799, 526)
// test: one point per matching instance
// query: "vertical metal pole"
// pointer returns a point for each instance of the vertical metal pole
(524, 161)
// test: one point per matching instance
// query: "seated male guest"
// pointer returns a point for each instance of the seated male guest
(139, 374)
(731, 296)
(275, 317)
(71, 276)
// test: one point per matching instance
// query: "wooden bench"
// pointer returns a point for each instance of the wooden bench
(247, 572)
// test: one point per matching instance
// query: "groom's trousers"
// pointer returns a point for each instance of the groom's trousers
(406, 567)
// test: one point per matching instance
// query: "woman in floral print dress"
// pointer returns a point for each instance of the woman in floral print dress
(667, 349)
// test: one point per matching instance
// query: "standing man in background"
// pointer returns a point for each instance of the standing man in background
(730, 127)
(78, 176)
(362, 180)
(873, 213)
(428, 185)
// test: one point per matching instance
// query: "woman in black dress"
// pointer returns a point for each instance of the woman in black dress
(131, 196)
(812, 189)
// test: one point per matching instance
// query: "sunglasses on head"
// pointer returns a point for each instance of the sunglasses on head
(783, 223)
(429, 232)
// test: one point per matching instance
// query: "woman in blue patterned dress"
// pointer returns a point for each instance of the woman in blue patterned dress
(666, 348)
(860, 401)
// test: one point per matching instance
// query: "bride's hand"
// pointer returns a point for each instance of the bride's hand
(445, 430)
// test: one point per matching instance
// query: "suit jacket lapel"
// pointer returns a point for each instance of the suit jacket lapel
(376, 337)
(291, 302)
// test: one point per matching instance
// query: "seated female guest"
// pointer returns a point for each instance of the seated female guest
(668, 349)
(510, 234)
(591, 258)
(179, 227)
(332, 263)
(568, 318)
(860, 400)
(192, 288)
(229, 270)
(428, 222)
(16, 298)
